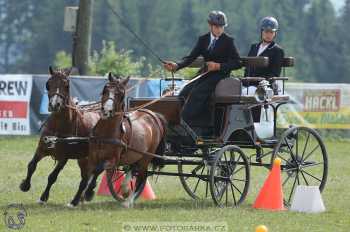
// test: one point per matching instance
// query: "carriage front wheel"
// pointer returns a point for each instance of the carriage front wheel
(229, 177)
(304, 160)
(115, 179)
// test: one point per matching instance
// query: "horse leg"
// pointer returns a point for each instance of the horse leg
(51, 180)
(142, 174)
(125, 184)
(25, 184)
(89, 193)
(86, 177)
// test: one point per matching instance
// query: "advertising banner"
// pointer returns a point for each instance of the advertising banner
(15, 92)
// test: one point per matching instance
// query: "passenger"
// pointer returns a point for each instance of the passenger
(267, 47)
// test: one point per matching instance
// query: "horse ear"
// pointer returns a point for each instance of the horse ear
(110, 77)
(51, 70)
(125, 81)
(68, 71)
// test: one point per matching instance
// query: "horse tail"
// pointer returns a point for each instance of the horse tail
(158, 163)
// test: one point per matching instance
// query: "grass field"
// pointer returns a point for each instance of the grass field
(172, 205)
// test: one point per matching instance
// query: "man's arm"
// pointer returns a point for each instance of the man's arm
(187, 60)
(234, 59)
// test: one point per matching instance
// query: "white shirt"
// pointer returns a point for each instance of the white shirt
(212, 37)
(262, 48)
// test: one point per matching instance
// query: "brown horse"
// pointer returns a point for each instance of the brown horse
(66, 120)
(140, 130)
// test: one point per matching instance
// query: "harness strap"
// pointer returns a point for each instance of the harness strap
(119, 142)
(156, 118)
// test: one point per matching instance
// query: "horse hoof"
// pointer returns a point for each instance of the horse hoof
(89, 196)
(41, 202)
(71, 206)
(127, 205)
(24, 186)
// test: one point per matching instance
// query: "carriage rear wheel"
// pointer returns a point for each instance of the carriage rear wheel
(304, 160)
(229, 177)
(114, 179)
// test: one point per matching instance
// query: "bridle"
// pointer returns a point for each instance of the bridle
(119, 93)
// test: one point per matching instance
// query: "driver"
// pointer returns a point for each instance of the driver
(221, 56)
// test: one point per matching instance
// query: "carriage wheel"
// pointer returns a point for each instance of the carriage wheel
(229, 177)
(304, 160)
(114, 175)
(196, 187)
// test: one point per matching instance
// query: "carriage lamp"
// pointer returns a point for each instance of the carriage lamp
(263, 91)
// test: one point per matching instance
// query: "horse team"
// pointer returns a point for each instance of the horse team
(110, 130)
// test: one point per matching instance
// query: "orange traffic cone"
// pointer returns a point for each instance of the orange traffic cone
(148, 193)
(271, 195)
(103, 189)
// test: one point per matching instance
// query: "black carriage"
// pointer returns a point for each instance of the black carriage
(217, 165)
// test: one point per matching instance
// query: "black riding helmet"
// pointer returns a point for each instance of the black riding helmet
(269, 23)
(218, 18)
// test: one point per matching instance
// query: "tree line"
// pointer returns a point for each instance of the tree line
(31, 32)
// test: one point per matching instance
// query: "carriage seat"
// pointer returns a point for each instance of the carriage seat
(228, 90)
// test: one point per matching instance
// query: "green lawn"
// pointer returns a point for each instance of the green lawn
(172, 205)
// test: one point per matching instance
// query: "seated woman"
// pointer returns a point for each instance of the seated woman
(267, 47)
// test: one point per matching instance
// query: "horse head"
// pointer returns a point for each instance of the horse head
(113, 95)
(57, 87)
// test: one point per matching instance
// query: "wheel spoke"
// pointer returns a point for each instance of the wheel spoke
(285, 181)
(306, 143)
(217, 190)
(226, 193)
(233, 194)
(289, 169)
(239, 157)
(311, 175)
(206, 185)
(304, 178)
(195, 189)
(298, 178)
(296, 144)
(235, 187)
(237, 170)
(291, 192)
(290, 150)
(312, 165)
(306, 157)
(284, 159)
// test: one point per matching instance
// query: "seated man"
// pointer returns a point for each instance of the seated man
(221, 56)
(266, 48)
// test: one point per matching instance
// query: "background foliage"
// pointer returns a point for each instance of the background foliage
(31, 33)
